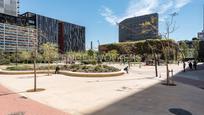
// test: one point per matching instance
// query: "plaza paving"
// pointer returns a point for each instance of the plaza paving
(12, 103)
(136, 93)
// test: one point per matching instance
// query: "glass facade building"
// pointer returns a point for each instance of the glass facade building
(68, 37)
(74, 37)
(132, 29)
(16, 38)
(9, 7)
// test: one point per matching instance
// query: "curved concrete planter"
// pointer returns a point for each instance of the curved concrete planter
(83, 74)
(68, 73)
(24, 72)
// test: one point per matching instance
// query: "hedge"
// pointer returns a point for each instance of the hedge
(140, 47)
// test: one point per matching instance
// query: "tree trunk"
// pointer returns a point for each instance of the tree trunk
(48, 68)
(155, 64)
(167, 74)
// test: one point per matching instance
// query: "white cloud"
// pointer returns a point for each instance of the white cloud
(109, 15)
(180, 3)
(142, 7)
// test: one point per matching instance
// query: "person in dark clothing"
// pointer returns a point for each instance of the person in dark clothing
(126, 69)
(190, 65)
(184, 66)
(57, 70)
(195, 64)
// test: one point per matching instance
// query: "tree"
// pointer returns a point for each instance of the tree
(184, 48)
(196, 47)
(113, 54)
(4, 58)
(25, 56)
(50, 52)
(90, 53)
(148, 26)
(170, 28)
(39, 58)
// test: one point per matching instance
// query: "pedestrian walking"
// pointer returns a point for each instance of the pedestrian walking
(190, 65)
(184, 66)
(126, 69)
(57, 70)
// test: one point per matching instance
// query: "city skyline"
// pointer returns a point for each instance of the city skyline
(97, 15)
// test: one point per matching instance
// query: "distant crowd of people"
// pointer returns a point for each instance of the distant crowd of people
(191, 64)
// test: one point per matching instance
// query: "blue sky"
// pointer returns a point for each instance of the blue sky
(99, 16)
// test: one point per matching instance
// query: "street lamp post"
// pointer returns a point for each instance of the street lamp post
(98, 55)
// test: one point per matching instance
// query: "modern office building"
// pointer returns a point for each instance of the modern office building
(17, 38)
(201, 51)
(69, 37)
(133, 29)
(201, 35)
(18, 31)
(9, 7)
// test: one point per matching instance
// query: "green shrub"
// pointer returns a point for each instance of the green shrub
(46, 67)
(89, 68)
(140, 47)
(73, 68)
(4, 61)
(19, 68)
(87, 62)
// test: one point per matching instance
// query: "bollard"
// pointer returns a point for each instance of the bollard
(172, 74)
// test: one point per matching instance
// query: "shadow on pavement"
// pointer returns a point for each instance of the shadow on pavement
(157, 100)
(191, 77)
(178, 111)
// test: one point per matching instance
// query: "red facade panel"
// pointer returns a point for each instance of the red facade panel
(61, 37)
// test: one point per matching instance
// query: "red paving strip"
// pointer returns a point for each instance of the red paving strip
(12, 104)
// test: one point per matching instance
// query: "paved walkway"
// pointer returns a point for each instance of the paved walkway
(159, 100)
(192, 77)
(14, 104)
(136, 93)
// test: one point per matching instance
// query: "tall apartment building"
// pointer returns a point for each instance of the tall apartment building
(9, 7)
(16, 38)
(132, 29)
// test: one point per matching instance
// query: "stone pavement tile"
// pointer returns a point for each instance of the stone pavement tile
(197, 83)
(159, 100)
(13, 104)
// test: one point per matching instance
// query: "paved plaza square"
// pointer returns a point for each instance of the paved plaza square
(136, 93)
